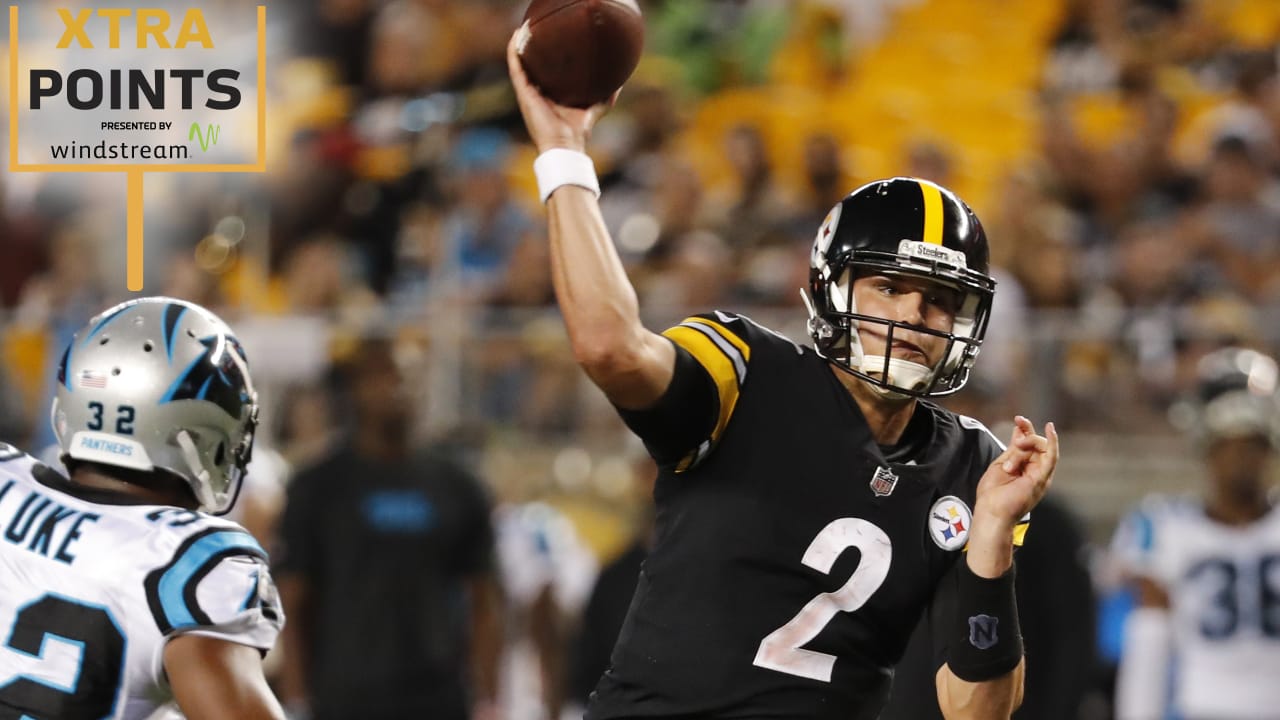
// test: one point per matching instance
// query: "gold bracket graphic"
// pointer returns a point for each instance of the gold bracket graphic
(135, 171)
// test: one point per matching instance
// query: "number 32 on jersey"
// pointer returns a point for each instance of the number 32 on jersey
(783, 649)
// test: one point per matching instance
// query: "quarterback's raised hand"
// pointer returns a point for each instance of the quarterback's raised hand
(1009, 489)
(550, 125)
(1022, 473)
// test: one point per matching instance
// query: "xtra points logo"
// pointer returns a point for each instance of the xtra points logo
(109, 89)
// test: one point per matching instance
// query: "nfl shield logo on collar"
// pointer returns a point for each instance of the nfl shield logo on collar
(883, 482)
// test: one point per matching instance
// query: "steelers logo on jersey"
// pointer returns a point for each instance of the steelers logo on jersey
(949, 521)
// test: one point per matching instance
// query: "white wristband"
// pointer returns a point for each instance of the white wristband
(558, 167)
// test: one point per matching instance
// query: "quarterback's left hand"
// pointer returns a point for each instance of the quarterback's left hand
(1016, 481)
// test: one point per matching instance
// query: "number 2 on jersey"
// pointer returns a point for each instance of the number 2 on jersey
(782, 649)
(89, 693)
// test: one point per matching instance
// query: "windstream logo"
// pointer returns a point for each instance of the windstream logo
(207, 137)
(103, 150)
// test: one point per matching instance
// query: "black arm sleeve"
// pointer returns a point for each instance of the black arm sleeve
(975, 624)
(682, 418)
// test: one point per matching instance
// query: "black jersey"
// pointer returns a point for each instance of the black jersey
(793, 555)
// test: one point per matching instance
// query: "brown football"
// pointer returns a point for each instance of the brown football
(579, 52)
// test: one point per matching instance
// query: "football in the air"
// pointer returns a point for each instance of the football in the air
(579, 52)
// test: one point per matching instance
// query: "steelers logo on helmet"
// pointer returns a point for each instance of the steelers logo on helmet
(949, 521)
(900, 227)
(826, 233)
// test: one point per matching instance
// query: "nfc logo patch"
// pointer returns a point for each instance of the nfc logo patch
(983, 631)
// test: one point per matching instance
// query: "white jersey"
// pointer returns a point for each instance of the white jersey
(91, 590)
(537, 548)
(1223, 584)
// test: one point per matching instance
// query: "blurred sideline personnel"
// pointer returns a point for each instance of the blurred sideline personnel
(810, 505)
(1207, 571)
(386, 567)
(120, 594)
(546, 574)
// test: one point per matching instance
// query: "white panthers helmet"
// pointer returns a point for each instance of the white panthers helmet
(159, 384)
(1236, 395)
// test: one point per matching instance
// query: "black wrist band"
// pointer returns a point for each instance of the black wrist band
(986, 641)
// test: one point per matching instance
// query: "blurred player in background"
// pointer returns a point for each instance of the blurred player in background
(777, 461)
(386, 561)
(1204, 641)
(120, 596)
(547, 572)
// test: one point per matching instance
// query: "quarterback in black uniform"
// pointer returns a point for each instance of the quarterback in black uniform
(811, 506)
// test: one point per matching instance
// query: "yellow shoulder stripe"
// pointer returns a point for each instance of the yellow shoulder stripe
(725, 333)
(1020, 532)
(717, 364)
(694, 455)
(687, 461)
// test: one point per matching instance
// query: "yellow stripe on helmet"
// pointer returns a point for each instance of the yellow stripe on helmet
(933, 215)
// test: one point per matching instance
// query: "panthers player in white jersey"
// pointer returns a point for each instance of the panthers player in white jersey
(121, 597)
(1204, 643)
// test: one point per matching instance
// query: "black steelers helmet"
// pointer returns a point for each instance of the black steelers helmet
(1235, 396)
(899, 226)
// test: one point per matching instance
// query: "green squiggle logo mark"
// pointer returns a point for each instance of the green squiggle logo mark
(207, 137)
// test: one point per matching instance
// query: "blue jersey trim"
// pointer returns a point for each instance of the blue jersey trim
(175, 586)
(1144, 530)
